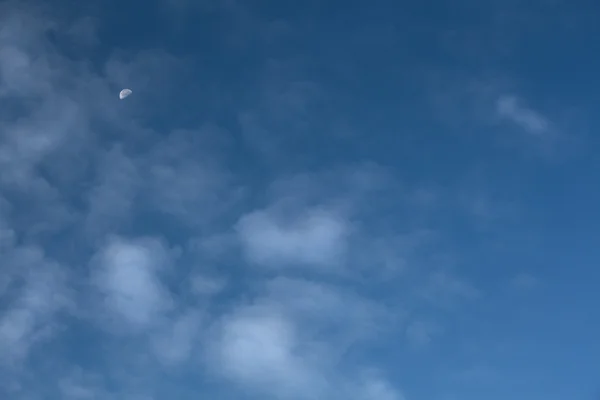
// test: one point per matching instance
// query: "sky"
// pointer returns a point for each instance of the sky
(300, 200)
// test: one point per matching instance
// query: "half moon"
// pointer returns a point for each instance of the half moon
(124, 93)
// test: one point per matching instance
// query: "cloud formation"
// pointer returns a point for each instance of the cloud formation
(315, 238)
(185, 242)
(511, 109)
(127, 276)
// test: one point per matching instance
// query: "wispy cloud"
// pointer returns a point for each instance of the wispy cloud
(511, 109)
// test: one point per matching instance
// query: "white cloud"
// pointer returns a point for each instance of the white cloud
(292, 339)
(510, 108)
(314, 238)
(330, 222)
(126, 274)
(259, 347)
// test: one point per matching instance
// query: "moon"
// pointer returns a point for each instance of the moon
(124, 93)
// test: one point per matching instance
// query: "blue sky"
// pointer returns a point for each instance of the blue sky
(300, 201)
